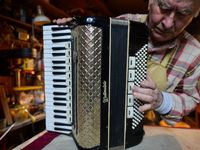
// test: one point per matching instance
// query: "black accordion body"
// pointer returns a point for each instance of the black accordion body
(89, 72)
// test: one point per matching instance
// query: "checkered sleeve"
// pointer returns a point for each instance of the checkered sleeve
(186, 95)
(134, 17)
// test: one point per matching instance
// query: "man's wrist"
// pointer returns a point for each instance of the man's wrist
(166, 105)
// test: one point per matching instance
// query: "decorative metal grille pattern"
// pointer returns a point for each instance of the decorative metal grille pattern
(89, 47)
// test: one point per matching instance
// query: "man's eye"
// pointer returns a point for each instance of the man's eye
(183, 14)
(163, 8)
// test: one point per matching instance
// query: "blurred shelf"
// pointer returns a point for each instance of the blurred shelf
(49, 10)
(25, 123)
(19, 23)
(25, 88)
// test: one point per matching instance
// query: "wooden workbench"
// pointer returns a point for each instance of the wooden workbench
(156, 138)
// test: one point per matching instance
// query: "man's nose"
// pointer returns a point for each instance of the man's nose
(169, 21)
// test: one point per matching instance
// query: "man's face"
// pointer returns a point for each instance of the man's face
(167, 18)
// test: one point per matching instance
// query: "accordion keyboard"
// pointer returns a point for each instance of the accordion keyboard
(137, 73)
(57, 76)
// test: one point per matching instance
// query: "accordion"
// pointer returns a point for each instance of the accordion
(89, 70)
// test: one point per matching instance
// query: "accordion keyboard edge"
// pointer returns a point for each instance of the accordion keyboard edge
(57, 78)
(61, 89)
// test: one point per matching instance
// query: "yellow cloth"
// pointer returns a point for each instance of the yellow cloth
(158, 73)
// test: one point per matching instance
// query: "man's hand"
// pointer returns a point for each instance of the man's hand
(62, 21)
(149, 94)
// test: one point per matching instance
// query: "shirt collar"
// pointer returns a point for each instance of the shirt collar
(170, 45)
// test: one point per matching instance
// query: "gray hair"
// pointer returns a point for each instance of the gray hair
(195, 15)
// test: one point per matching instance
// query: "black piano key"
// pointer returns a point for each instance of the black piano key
(59, 80)
(60, 111)
(58, 62)
(59, 104)
(60, 40)
(61, 117)
(61, 129)
(61, 124)
(60, 34)
(59, 86)
(59, 73)
(59, 99)
(58, 67)
(58, 48)
(58, 54)
(58, 29)
(59, 93)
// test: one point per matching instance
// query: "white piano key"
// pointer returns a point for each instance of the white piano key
(48, 83)
(68, 45)
(53, 112)
(67, 75)
(49, 128)
(51, 101)
(49, 32)
(49, 96)
(68, 52)
(49, 57)
(49, 76)
(69, 96)
(53, 44)
(52, 108)
(49, 60)
(47, 37)
(50, 64)
(56, 121)
(50, 51)
(50, 69)
(51, 117)
(57, 104)
(64, 90)
(53, 124)
(69, 104)
(67, 82)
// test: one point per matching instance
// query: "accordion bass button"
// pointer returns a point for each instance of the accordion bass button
(130, 85)
(130, 112)
(131, 75)
(131, 62)
(130, 100)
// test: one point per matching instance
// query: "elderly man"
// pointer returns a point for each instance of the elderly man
(173, 79)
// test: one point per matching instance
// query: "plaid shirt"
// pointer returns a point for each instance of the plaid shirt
(183, 71)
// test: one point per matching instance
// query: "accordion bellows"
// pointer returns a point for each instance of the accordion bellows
(88, 87)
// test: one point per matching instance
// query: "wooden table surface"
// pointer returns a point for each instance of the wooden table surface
(155, 138)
